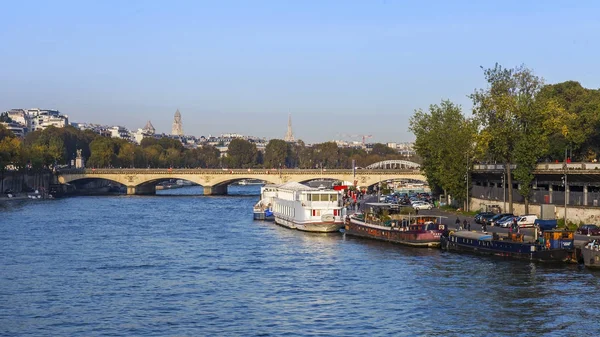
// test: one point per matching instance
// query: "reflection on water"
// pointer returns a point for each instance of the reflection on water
(199, 266)
(232, 190)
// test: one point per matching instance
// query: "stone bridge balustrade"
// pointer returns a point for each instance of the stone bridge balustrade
(215, 181)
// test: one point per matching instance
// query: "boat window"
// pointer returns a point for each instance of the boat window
(324, 197)
(334, 197)
(308, 197)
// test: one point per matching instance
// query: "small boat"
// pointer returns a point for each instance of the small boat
(553, 246)
(306, 208)
(416, 231)
(591, 255)
(263, 208)
(250, 182)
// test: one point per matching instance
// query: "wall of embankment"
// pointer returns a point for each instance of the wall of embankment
(575, 214)
(21, 182)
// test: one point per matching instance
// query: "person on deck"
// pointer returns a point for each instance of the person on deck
(457, 223)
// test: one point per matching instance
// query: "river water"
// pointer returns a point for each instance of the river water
(190, 265)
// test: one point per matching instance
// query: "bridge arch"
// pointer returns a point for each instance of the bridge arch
(394, 164)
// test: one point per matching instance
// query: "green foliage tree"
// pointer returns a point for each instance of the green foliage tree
(444, 141)
(103, 152)
(581, 130)
(241, 154)
(512, 116)
(4, 118)
(326, 155)
(4, 132)
(208, 156)
(277, 153)
(10, 150)
(382, 150)
(126, 155)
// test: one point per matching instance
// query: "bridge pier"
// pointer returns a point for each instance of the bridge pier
(215, 190)
(141, 190)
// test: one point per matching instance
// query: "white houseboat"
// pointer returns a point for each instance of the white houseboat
(263, 209)
(307, 208)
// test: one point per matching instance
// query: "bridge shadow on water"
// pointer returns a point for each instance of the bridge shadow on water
(198, 191)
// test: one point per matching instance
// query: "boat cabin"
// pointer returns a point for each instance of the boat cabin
(558, 239)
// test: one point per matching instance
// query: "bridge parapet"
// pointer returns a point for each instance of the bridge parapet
(238, 171)
(543, 167)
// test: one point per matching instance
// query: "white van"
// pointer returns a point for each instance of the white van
(527, 220)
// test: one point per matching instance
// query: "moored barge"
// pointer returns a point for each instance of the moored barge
(416, 231)
(554, 246)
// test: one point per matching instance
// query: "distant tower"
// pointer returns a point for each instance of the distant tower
(149, 129)
(289, 135)
(177, 126)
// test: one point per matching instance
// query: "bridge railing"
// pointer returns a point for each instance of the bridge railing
(92, 171)
(541, 167)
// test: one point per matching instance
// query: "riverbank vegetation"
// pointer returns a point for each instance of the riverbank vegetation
(58, 146)
(518, 120)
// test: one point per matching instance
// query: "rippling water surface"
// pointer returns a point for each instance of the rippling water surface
(190, 265)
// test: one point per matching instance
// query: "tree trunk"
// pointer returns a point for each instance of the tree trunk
(526, 201)
(510, 187)
(446, 196)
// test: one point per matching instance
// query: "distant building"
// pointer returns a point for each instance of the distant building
(177, 125)
(149, 128)
(40, 119)
(16, 128)
(146, 132)
(289, 135)
(119, 132)
(37, 119)
(19, 116)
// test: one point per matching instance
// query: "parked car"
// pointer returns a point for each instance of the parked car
(422, 205)
(588, 230)
(492, 221)
(478, 216)
(506, 221)
(527, 220)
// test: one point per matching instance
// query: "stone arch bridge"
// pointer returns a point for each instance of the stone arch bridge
(215, 181)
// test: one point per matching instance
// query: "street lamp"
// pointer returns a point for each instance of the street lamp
(504, 188)
(566, 187)
(467, 180)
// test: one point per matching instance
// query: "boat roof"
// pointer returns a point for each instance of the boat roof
(294, 186)
(424, 216)
(473, 235)
(379, 204)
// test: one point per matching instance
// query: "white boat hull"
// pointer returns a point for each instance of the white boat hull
(321, 227)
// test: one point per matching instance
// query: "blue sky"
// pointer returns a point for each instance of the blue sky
(339, 67)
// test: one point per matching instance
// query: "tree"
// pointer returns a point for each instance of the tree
(4, 118)
(103, 152)
(444, 141)
(515, 123)
(10, 149)
(326, 155)
(209, 156)
(382, 150)
(277, 153)
(241, 154)
(4, 132)
(581, 106)
(126, 156)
